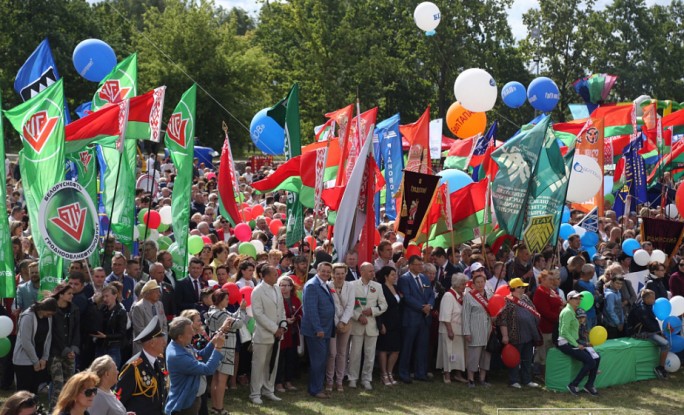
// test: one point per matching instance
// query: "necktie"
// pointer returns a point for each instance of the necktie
(439, 274)
(420, 285)
(197, 289)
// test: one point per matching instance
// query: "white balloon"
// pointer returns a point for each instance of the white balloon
(6, 326)
(641, 257)
(427, 16)
(152, 235)
(677, 303)
(212, 283)
(671, 211)
(658, 256)
(638, 101)
(566, 244)
(672, 362)
(136, 233)
(258, 245)
(166, 216)
(476, 90)
(580, 231)
(585, 179)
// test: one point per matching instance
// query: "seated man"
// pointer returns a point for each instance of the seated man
(643, 325)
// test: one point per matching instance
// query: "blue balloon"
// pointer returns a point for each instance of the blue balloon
(93, 59)
(676, 344)
(566, 230)
(513, 94)
(662, 308)
(589, 239)
(674, 323)
(267, 135)
(455, 179)
(630, 245)
(543, 94)
(566, 215)
(590, 250)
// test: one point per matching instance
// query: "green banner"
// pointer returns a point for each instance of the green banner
(7, 287)
(40, 122)
(179, 140)
(86, 168)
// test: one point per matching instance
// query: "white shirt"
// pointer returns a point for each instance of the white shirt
(150, 358)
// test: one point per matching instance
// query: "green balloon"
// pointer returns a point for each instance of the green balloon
(609, 198)
(246, 248)
(251, 324)
(252, 224)
(332, 216)
(5, 346)
(164, 242)
(195, 244)
(141, 231)
(163, 227)
(141, 215)
(587, 301)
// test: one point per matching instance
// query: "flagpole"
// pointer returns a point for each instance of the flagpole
(151, 188)
(116, 185)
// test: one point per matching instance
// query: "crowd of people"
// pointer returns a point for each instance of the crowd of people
(132, 336)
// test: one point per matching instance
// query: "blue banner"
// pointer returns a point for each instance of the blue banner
(389, 140)
(635, 179)
(84, 109)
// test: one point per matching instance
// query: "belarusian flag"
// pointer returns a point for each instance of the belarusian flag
(227, 183)
(674, 160)
(617, 119)
(180, 141)
(418, 136)
(40, 121)
(675, 120)
(286, 114)
(459, 154)
(342, 118)
(7, 286)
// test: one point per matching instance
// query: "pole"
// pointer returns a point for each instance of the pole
(147, 221)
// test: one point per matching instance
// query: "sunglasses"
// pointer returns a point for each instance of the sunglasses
(90, 392)
(681, 265)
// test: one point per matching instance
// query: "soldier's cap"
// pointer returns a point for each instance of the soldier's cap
(152, 330)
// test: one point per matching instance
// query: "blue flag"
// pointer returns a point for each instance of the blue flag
(389, 140)
(482, 145)
(84, 109)
(635, 179)
(37, 73)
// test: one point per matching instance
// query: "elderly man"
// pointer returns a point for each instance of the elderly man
(168, 297)
(187, 368)
(318, 324)
(269, 312)
(145, 309)
(142, 381)
(370, 302)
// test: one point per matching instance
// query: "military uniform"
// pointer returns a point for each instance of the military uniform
(142, 386)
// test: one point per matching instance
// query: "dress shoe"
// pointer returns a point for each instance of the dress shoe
(272, 398)
(257, 401)
(367, 386)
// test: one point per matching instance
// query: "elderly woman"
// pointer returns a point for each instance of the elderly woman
(343, 295)
(518, 322)
(549, 305)
(20, 403)
(78, 395)
(389, 341)
(32, 350)
(288, 360)
(476, 328)
(497, 279)
(451, 347)
(105, 402)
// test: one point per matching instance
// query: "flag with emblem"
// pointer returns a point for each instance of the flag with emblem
(40, 122)
(286, 114)
(7, 286)
(119, 84)
(86, 168)
(180, 141)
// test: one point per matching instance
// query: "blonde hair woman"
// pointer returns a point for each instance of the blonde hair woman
(77, 395)
(105, 402)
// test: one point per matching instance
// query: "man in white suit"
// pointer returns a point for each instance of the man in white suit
(145, 309)
(369, 303)
(269, 313)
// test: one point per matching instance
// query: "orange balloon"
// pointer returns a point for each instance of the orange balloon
(464, 123)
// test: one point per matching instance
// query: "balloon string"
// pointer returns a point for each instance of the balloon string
(506, 119)
(182, 70)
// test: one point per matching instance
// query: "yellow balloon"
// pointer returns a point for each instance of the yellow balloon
(598, 335)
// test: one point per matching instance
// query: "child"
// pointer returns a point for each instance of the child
(205, 303)
(643, 325)
(583, 338)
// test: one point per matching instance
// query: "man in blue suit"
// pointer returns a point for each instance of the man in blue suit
(419, 299)
(318, 324)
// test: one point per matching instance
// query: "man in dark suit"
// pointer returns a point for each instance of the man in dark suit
(317, 326)
(445, 269)
(352, 261)
(188, 289)
(165, 258)
(419, 299)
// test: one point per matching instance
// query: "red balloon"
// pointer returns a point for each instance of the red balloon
(247, 213)
(275, 226)
(376, 237)
(243, 232)
(152, 219)
(257, 210)
(496, 304)
(510, 356)
(311, 241)
(503, 291)
(206, 239)
(233, 292)
(247, 294)
(412, 250)
(679, 198)
(268, 220)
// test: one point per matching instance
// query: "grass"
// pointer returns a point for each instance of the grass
(643, 398)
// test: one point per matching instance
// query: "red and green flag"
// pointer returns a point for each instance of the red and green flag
(179, 140)
(227, 183)
(40, 122)
(7, 286)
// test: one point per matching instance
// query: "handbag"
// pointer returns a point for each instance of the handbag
(494, 345)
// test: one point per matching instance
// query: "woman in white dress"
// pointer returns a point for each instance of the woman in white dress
(451, 345)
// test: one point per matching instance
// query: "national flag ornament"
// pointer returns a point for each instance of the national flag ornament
(227, 183)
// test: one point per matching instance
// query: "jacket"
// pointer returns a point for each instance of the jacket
(114, 323)
(612, 313)
(24, 350)
(319, 309)
(642, 320)
(657, 285)
(269, 313)
(375, 300)
(549, 307)
(66, 332)
(184, 374)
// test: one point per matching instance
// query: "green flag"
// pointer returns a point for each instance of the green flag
(40, 122)
(179, 140)
(517, 160)
(7, 287)
(119, 195)
(286, 113)
(86, 168)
